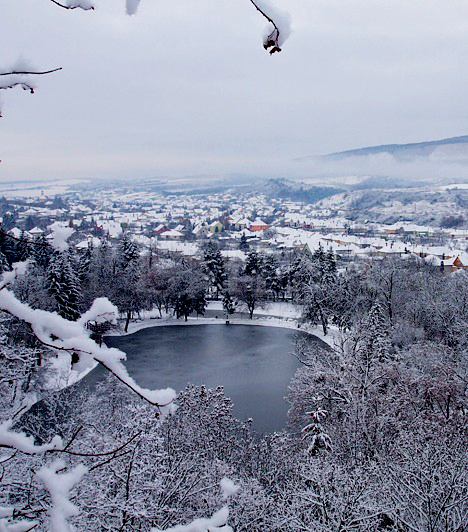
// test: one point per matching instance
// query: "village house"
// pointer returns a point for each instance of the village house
(171, 234)
(216, 227)
(453, 264)
(258, 225)
(201, 230)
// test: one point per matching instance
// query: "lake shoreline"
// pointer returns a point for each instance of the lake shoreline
(279, 314)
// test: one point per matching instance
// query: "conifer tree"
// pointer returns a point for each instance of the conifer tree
(127, 252)
(229, 305)
(376, 337)
(4, 265)
(7, 251)
(84, 263)
(63, 286)
(42, 252)
(213, 264)
(243, 245)
(22, 248)
(252, 263)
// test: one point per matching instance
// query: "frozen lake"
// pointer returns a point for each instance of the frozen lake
(253, 363)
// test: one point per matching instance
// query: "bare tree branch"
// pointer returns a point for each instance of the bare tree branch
(2, 232)
(272, 40)
(72, 7)
(29, 73)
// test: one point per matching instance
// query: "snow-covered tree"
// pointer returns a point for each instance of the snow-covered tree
(213, 265)
(229, 305)
(127, 253)
(249, 292)
(63, 286)
(41, 252)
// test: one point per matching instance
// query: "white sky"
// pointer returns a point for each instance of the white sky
(184, 87)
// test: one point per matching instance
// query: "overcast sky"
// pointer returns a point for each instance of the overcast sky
(185, 87)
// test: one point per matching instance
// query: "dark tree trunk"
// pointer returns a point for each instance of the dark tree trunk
(129, 315)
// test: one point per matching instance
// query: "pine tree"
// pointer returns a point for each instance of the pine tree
(63, 286)
(199, 302)
(329, 269)
(243, 245)
(7, 251)
(42, 252)
(22, 248)
(376, 337)
(229, 305)
(213, 265)
(252, 264)
(4, 265)
(104, 264)
(269, 267)
(85, 261)
(127, 252)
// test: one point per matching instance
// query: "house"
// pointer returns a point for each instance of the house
(258, 225)
(15, 232)
(201, 230)
(171, 234)
(394, 229)
(36, 231)
(452, 265)
(242, 224)
(216, 227)
(160, 229)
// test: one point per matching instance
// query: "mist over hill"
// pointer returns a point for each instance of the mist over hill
(436, 161)
(455, 147)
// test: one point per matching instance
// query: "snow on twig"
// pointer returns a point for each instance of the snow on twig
(131, 6)
(59, 487)
(7, 525)
(60, 236)
(279, 27)
(86, 5)
(217, 522)
(23, 443)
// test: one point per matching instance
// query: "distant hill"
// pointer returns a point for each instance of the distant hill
(455, 147)
(280, 188)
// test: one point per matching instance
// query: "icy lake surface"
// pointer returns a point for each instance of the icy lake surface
(253, 363)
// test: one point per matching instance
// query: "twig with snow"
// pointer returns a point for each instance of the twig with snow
(86, 5)
(217, 522)
(59, 487)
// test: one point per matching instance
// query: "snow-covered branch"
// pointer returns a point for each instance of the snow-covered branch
(19, 77)
(61, 334)
(217, 522)
(279, 27)
(86, 5)
(59, 487)
(24, 443)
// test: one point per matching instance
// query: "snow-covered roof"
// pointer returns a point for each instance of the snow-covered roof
(36, 231)
(15, 232)
(172, 232)
(96, 242)
(259, 222)
(233, 254)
